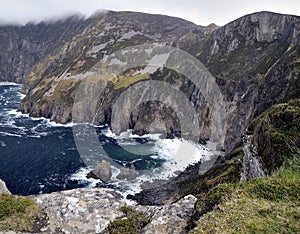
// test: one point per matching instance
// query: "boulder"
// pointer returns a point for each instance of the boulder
(127, 173)
(101, 172)
(3, 188)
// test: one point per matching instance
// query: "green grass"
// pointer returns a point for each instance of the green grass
(242, 214)
(284, 185)
(17, 213)
(126, 81)
(131, 223)
(263, 205)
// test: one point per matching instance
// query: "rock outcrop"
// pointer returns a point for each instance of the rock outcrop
(80, 210)
(173, 218)
(91, 210)
(101, 172)
(3, 188)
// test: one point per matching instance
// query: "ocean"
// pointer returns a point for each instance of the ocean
(38, 156)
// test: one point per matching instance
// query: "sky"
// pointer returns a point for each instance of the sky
(201, 12)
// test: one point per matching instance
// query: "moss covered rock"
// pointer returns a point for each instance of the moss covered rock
(276, 135)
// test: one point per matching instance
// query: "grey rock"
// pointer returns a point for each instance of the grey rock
(90, 211)
(127, 173)
(3, 188)
(102, 172)
(171, 219)
(80, 210)
(22, 47)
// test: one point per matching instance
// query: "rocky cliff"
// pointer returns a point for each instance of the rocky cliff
(22, 47)
(254, 60)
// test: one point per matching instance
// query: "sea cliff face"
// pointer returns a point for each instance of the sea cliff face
(255, 63)
(22, 47)
(254, 60)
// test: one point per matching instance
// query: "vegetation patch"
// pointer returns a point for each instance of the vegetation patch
(126, 81)
(18, 213)
(132, 222)
(276, 134)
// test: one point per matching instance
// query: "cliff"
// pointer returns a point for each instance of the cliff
(22, 47)
(254, 60)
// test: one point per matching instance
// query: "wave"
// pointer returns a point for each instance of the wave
(9, 84)
(178, 155)
(17, 114)
(54, 124)
(80, 176)
(9, 134)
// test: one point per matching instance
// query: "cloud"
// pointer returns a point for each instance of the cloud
(198, 11)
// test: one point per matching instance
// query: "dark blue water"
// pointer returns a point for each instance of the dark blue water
(37, 157)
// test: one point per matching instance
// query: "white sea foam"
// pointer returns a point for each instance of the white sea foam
(9, 84)
(54, 124)
(21, 95)
(48, 122)
(9, 134)
(17, 113)
(177, 153)
(80, 175)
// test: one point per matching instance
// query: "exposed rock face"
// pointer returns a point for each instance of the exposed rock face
(80, 210)
(3, 188)
(172, 219)
(254, 61)
(91, 210)
(251, 164)
(102, 172)
(22, 47)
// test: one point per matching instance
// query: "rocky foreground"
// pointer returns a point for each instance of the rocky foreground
(91, 210)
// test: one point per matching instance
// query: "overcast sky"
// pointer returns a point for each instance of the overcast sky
(202, 12)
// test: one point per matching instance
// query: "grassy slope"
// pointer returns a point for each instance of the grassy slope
(264, 205)
(267, 205)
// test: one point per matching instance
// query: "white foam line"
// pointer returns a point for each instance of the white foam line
(80, 175)
(10, 134)
(50, 123)
(21, 95)
(9, 84)
(54, 124)
(17, 113)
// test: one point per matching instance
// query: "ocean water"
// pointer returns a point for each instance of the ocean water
(39, 156)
